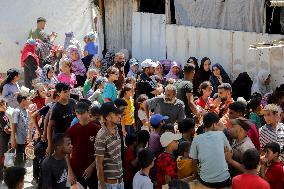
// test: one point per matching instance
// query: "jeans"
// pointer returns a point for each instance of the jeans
(130, 129)
(114, 186)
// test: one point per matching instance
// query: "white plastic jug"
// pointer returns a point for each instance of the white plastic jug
(9, 158)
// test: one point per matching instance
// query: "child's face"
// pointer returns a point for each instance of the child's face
(42, 92)
(135, 67)
(92, 75)
(270, 117)
(269, 155)
(114, 76)
(74, 55)
(50, 73)
(58, 54)
(25, 103)
(175, 70)
(3, 107)
(64, 95)
(98, 63)
(65, 68)
(83, 116)
(174, 145)
(129, 93)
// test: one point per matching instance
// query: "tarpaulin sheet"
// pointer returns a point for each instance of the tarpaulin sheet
(18, 17)
(238, 15)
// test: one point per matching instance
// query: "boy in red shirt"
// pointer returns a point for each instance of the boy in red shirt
(250, 179)
(166, 164)
(81, 162)
(272, 168)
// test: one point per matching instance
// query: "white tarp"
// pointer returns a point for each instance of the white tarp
(238, 15)
(17, 17)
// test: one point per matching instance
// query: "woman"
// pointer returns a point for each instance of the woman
(10, 88)
(204, 101)
(241, 87)
(262, 84)
(99, 65)
(203, 74)
(174, 72)
(218, 77)
(194, 61)
(30, 62)
(110, 90)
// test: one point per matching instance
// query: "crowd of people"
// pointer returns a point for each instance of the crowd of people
(115, 123)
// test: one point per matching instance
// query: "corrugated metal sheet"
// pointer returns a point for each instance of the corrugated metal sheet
(148, 36)
(229, 48)
(118, 23)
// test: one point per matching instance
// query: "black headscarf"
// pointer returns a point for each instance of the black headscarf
(200, 76)
(242, 86)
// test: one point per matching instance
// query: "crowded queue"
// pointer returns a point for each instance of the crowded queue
(115, 122)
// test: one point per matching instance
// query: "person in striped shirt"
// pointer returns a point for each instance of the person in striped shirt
(273, 130)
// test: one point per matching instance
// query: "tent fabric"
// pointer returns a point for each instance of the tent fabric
(18, 17)
(238, 15)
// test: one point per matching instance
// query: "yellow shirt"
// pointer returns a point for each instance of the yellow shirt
(184, 167)
(128, 118)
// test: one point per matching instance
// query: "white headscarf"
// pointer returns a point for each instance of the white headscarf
(259, 86)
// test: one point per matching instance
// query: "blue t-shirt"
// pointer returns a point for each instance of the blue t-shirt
(208, 148)
(110, 91)
(91, 48)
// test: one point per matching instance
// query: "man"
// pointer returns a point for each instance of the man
(108, 148)
(185, 91)
(167, 105)
(36, 33)
(54, 168)
(146, 84)
(82, 137)
(62, 113)
(239, 129)
(208, 148)
(237, 110)
(221, 104)
(119, 62)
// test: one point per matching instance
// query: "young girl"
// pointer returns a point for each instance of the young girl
(78, 67)
(46, 76)
(110, 91)
(142, 116)
(204, 101)
(128, 120)
(254, 109)
(96, 97)
(91, 76)
(10, 88)
(40, 96)
(91, 47)
(66, 75)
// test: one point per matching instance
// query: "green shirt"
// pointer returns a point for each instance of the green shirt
(87, 87)
(35, 34)
(184, 87)
(255, 119)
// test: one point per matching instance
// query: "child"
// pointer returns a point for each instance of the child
(91, 47)
(127, 121)
(134, 66)
(96, 97)
(272, 168)
(14, 177)
(254, 108)
(10, 88)
(91, 76)
(141, 101)
(20, 129)
(166, 165)
(187, 129)
(184, 162)
(271, 131)
(146, 161)
(46, 76)
(130, 160)
(95, 116)
(110, 91)
(99, 65)
(66, 75)
(40, 96)
(157, 122)
(143, 137)
(250, 179)
(78, 67)
(4, 134)
(82, 137)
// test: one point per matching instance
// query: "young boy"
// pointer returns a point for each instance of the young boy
(20, 129)
(273, 130)
(250, 179)
(184, 163)
(272, 168)
(81, 162)
(130, 160)
(14, 177)
(95, 116)
(166, 164)
(54, 168)
(4, 134)
(146, 161)
(157, 121)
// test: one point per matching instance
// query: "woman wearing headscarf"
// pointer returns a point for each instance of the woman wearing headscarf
(174, 72)
(46, 75)
(262, 84)
(241, 87)
(30, 62)
(203, 74)
(218, 77)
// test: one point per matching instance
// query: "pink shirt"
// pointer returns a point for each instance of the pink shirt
(69, 79)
